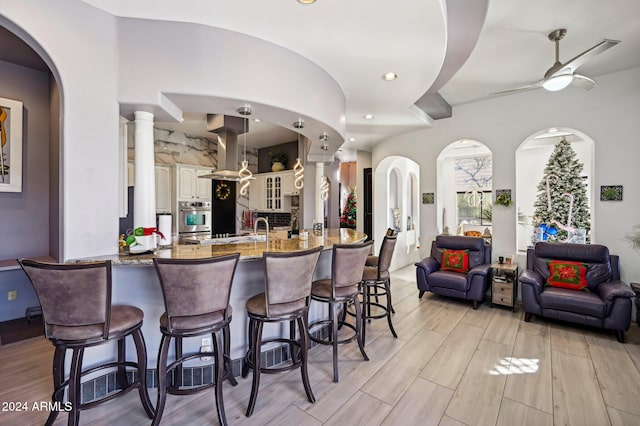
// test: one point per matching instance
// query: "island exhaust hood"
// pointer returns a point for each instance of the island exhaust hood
(227, 128)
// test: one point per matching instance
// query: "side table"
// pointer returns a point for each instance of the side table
(504, 284)
(636, 289)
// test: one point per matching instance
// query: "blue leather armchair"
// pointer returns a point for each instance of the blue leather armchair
(470, 286)
(606, 305)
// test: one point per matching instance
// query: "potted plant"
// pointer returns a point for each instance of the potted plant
(279, 160)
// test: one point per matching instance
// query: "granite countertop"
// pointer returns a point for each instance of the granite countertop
(248, 251)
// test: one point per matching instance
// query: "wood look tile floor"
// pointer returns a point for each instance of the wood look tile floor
(450, 365)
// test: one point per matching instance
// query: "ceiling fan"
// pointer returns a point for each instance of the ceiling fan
(561, 75)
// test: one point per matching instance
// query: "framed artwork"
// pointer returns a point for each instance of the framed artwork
(428, 198)
(10, 145)
(611, 193)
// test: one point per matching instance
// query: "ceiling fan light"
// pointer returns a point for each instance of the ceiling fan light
(557, 82)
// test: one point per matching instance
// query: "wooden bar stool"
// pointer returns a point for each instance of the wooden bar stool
(343, 288)
(196, 297)
(77, 314)
(288, 279)
(376, 283)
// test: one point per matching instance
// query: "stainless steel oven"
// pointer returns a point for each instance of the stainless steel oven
(194, 218)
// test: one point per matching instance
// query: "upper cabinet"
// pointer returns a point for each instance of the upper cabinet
(190, 186)
(163, 188)
(288, 178)
(268, 192)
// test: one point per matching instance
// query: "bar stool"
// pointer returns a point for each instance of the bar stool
(288, 279)
(343, 288)
(77, 314)
(196, 297)
(373, 260)
(376, 282)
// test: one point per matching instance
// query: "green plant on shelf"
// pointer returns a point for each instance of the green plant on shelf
(278, 156)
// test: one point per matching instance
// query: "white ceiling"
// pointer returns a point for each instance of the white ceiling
(424, 41)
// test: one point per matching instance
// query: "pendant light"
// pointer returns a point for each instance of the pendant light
(298, 168)
(324, 181)
(245, 174)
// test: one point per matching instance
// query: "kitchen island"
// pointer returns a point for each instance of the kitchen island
(136, 283)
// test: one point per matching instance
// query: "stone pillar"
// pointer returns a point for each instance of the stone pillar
(319, 212)
(144, 191)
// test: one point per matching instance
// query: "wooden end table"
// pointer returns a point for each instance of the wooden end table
(504, 284)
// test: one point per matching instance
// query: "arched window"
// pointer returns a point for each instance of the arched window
(464, 187)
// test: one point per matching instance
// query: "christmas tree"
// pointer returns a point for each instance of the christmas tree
(562, 194)
(348, 218)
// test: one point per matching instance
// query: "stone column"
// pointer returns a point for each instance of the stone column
(319, 212)
(144, 191)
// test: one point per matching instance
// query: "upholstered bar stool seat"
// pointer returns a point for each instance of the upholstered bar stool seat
(77, 314)
(343, 288)
(288, 279)
(196, 297)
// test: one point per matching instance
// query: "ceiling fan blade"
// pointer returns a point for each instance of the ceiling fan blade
(576, 62)
(531, 86)
(583, 82)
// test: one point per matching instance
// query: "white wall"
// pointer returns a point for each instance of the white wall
(608, 114)
(79, 44)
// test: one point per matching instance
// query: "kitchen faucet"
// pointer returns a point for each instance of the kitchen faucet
(266, 223)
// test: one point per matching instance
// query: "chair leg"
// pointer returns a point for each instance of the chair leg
(177, 372)
(218, 377)
(228, 366)
(367, 289)
(388, 283)
(363, 315)
(165, 342)
(121, 373)
(360, 328)
(255, 360)
(74, 386)
(527, 316)
(387, 288)
(58, 380)
(620, 336)
(475, 305)
(304, 355)
(247, 359)
(293, 349)
(422, 292)
(334, 338)
(141, 351)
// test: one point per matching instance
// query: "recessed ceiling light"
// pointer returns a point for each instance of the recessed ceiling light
(390, 76)
(352, 139)
(553, 129)
(368, 116)
(306, 1)
(257, 120)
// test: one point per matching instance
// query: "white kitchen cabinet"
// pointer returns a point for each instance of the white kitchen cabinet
(257, 195)
(288, 179)
(267, 193)
(163, 188)
(190, 186)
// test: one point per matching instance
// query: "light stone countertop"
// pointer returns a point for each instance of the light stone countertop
(248, 251)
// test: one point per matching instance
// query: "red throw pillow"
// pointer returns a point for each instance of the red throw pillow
(455, 260)
(565, 274)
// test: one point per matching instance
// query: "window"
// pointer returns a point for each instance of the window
(474, 207)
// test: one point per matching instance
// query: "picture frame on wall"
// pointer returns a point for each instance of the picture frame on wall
(10, 145)
(428, 198)
(611, 193)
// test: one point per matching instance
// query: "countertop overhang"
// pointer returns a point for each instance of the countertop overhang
(248, 251)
